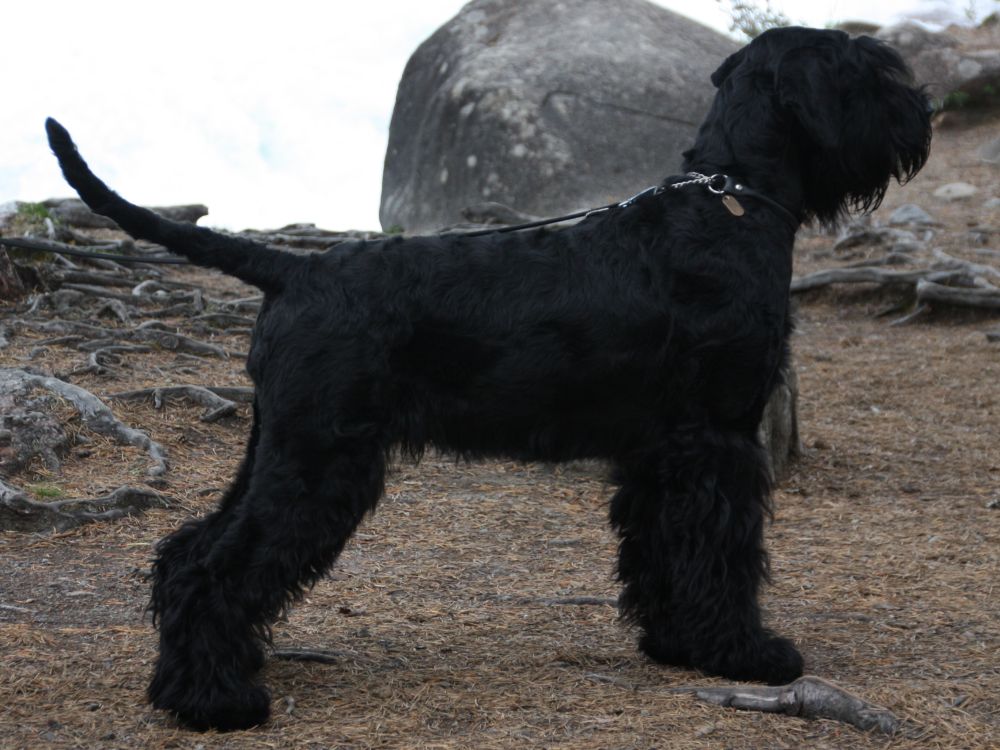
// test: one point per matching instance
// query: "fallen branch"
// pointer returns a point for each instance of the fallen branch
(808, 697)
(564, 601)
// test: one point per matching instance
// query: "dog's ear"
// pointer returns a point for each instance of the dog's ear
(727, 67)
(807, 87)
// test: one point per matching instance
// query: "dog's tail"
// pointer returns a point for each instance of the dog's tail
(249, 261)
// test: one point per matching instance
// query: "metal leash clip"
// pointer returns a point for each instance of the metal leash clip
(651, 190)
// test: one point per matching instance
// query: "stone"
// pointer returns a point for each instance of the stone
(74, 212)
(946, 63)
(862, 235)
(545, 107)
(988, 152)
(956, 191)
(910, 213)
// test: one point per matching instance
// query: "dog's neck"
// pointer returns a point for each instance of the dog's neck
(772, 172)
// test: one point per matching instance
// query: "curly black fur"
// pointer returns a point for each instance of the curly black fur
(651, 336)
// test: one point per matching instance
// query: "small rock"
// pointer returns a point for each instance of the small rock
(992, 204)
(910, 213)
(990, 152)
(705, 730)
(858, 235)
(956, 191)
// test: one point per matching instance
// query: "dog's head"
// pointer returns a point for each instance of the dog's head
(846, 109)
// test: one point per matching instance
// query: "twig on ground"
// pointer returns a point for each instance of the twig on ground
(322, 657)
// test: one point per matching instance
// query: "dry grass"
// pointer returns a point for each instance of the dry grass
(443, 613)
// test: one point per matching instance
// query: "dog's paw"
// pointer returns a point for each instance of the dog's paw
(664, 650)
(247, 708)
(768, 658)
(780, 662)
(773, 660)
(214, 701)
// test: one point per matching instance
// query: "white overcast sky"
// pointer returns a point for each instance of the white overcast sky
(268, 112)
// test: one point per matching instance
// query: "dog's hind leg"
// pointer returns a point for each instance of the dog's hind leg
(305, 497)
(691, 557)
(192, 541)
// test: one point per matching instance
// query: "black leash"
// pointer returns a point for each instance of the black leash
(718, 184)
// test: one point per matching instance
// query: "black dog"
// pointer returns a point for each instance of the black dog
(650, 334)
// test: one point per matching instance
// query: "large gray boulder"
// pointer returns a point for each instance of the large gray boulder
(546, 107)
(958, 62)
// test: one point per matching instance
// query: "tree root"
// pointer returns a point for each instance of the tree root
(19, 512)
(867, 275)
(150, 332)
(949, 281)
(217, 406)
(95, 414)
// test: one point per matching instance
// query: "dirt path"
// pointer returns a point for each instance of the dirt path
(454, 614)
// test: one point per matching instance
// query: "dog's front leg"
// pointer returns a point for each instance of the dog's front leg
(691, 557)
